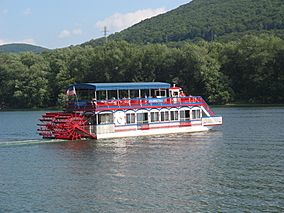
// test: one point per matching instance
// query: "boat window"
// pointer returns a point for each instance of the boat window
(130, 118)
(174, 115)
(105, 118)
(160, 93)
(102, 95)
(154, 116)
(151, 93)
(83, 94)
(123, 94)
(196, 114)
(185, 115)
(142, 117)
(112, 94)
(134, 93)
(163, 93)
(164, 116)
(145, 93)
(175, 94)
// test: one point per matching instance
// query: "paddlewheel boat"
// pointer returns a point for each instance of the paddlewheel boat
(111, 110)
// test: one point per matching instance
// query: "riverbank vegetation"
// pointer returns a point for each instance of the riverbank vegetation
(249, 70)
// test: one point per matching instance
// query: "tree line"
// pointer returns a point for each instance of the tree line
(250, 70)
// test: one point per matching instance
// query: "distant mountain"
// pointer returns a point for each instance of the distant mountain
(17, 48)
(209, 20)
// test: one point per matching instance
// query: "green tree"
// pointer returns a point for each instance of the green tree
(254, 67)
(201, 75)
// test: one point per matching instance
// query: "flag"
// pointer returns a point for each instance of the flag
(71, 92)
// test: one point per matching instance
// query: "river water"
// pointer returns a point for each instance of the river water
(238, 167)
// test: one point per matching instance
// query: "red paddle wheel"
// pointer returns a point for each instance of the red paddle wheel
(62, 125)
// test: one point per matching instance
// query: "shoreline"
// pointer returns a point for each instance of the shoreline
(31, 109)
(231, 105)
(248, 105)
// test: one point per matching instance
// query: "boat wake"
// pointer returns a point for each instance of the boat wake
(27, 142)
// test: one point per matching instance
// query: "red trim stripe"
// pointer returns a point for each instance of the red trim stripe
(145, 107)
(155, 127)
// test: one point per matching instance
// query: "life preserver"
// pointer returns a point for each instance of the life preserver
(119, 118)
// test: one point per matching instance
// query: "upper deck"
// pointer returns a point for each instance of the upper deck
(118, 96)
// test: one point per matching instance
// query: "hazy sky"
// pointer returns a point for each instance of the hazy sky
(60, 23)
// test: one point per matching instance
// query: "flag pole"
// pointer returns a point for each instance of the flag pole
(75, 93)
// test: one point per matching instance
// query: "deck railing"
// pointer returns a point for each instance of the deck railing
(83, 105)
(205, 105)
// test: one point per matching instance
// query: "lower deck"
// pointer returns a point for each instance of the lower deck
(123, 123)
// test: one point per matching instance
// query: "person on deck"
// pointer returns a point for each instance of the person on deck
(182, 94)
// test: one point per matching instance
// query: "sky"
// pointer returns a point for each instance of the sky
(61, 23)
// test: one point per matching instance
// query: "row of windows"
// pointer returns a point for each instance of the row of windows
(132, 118)
(184, 115)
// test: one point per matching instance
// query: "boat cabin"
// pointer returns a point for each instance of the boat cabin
(96, 95)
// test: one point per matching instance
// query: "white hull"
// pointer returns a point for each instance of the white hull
(161, 131)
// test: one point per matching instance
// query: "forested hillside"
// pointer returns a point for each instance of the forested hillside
(249, 70)
(217, 66)
(17, 48)
(209, 20)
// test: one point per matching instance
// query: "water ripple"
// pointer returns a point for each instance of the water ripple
(235, 168)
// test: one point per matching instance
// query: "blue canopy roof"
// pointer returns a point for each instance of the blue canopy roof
(121, 86)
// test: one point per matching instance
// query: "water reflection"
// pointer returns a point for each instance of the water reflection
(141, 166)
(79, 145)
